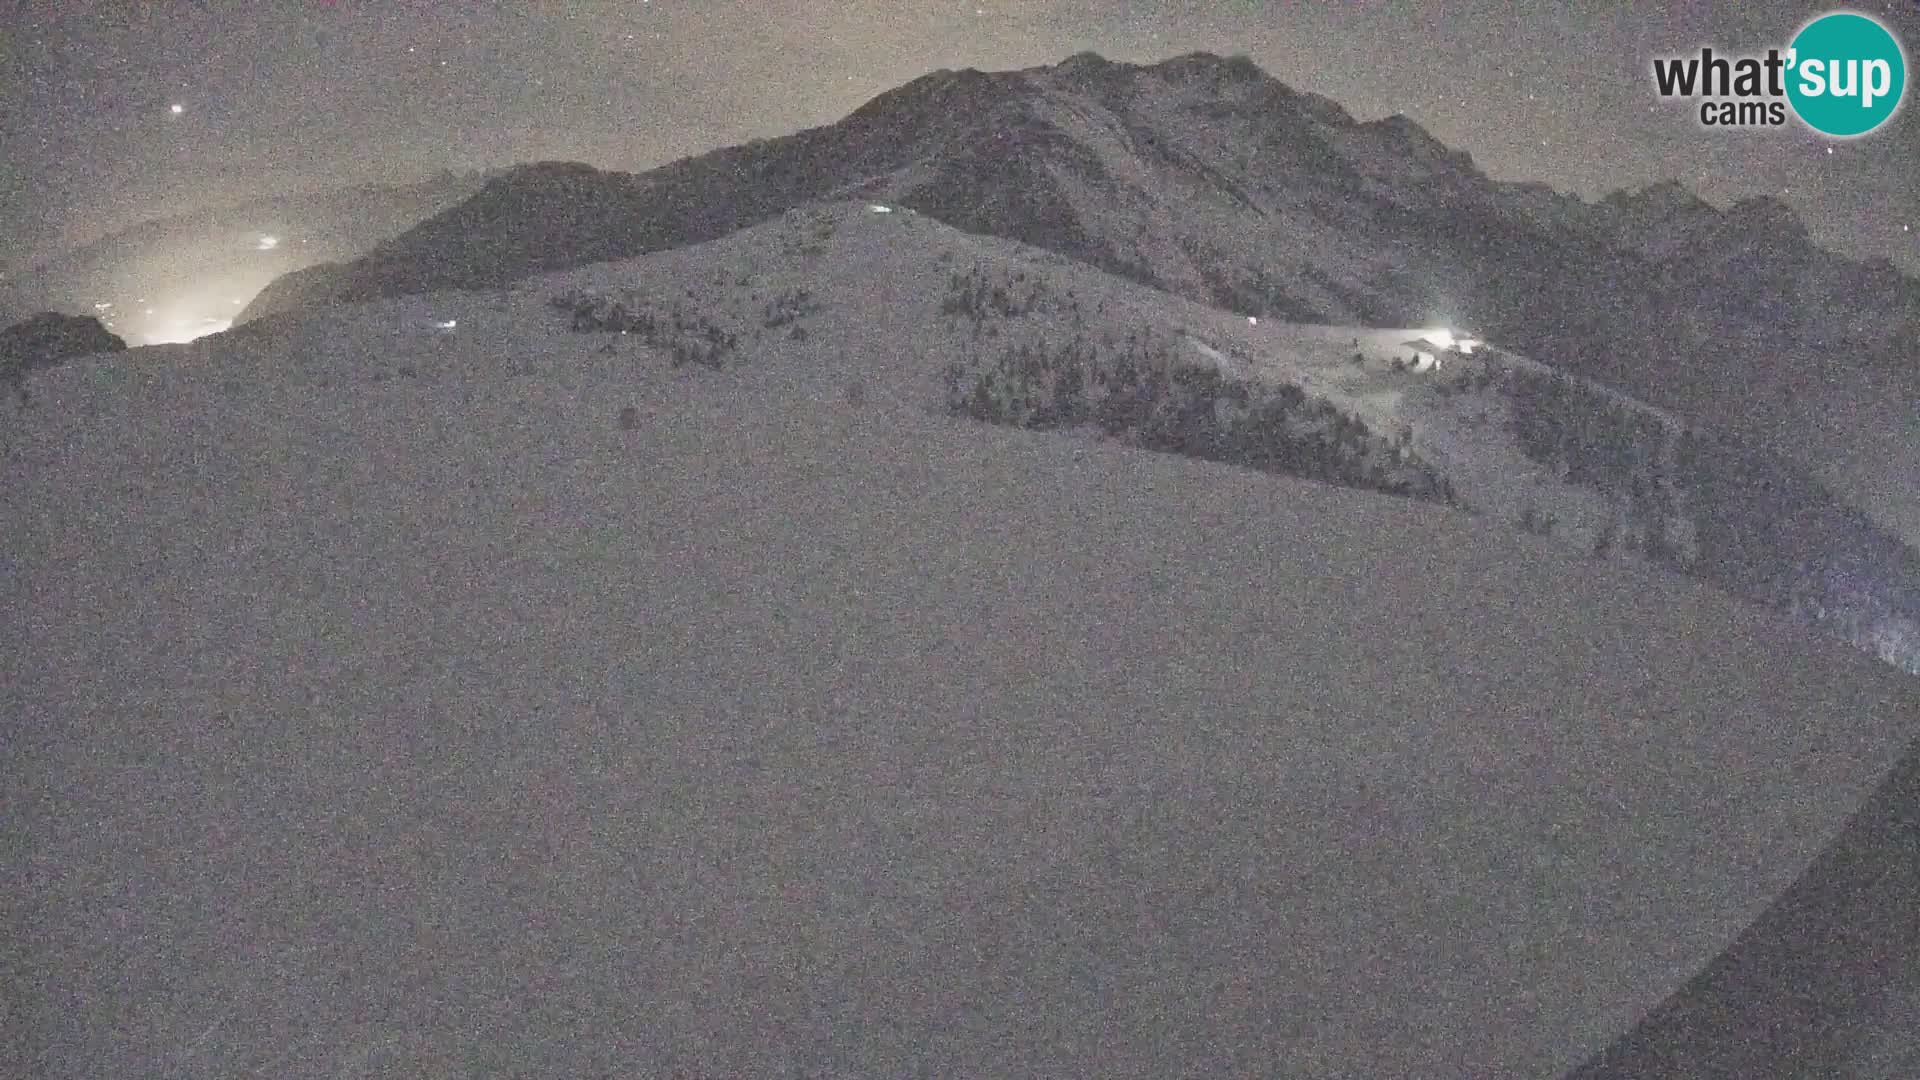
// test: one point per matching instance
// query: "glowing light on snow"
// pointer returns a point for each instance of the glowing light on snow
(176, 109)
(180, 331)
(878, 209)
(267, 243)
(1253, 320)
(448, 325)
(1444, 338)
(101, 305)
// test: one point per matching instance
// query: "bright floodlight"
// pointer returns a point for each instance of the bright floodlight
(268, 243)
(448, 325)
(176, 109)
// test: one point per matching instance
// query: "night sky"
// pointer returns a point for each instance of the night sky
(281, 96)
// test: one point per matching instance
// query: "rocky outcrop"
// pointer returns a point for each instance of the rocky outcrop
(48, 339)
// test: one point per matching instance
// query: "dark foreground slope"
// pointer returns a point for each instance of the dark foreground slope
(1825, 984)
(441, 725)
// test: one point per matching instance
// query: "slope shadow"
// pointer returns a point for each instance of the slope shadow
(1807, 988)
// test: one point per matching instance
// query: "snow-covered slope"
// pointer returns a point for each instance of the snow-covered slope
(894, 297)
(380, 701)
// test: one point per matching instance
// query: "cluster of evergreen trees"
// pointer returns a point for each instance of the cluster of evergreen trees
(1600, 440)
(688, 338)
(1606, 443)
(1762, 528)
(1138, 392)
(789, 306)
(974, 295)
(1772, 533)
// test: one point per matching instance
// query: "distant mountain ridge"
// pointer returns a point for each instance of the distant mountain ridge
(1209, 178)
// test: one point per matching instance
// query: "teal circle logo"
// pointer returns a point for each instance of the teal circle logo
(1846, 74)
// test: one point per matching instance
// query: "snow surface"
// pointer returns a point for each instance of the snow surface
(377, 702)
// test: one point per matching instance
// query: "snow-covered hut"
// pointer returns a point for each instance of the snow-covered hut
(1424, 358)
